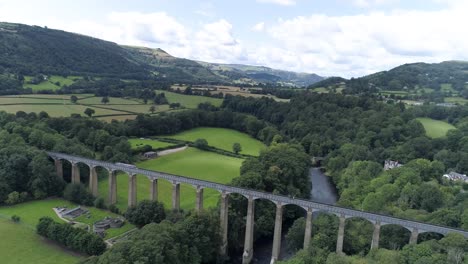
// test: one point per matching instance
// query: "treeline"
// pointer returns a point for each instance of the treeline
(190, 239)
(73, 238)
(450, 249)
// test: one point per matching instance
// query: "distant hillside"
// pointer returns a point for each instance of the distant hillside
(247, 73)
(432, 77)
(32, 50)
(328, 82)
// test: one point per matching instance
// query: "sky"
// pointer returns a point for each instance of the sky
(348, 38)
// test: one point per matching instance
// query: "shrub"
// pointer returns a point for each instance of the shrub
(15, 218)
(99, 203)
(114, 209)
(78, 193)
(201, 143)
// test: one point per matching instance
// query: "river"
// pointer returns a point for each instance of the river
(323, 191)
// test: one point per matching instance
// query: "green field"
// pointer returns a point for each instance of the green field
(136, 143)
(189, 101)
(20, 244)
(50, 83)
(117, 108)
(222, 138)
(456, 100)
(192, 163)
(30, 212)
(435, 128)
(56, 110)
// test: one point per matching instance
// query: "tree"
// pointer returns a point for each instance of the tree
(78, 193)
(73, 99)
(105, 100)
(146, 212)
(89, 112)
(236, 147)
(201, 143)
(152, 109)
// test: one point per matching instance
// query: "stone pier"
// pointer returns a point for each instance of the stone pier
(112, 187)
(93, 181)
(277, 234)
(132, 189)
(376, 236)
(199, 200)
(249, 232)
(414, 236)
(59, 168)
(154, 189)
(224, 213)
(339, 242)
(75, 178)
(308, 228)
(175, 196)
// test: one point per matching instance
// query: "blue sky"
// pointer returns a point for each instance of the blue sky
(335, 37)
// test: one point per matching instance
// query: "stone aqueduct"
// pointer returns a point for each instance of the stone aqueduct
(377, 220)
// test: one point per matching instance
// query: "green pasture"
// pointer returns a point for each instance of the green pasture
(435, 128)
(30, 212)
(112, 101)
(136, 143)
(456, 100)
(56, 110)
(50, 83)
(192, 163)
(222, 138)
(20, 244)
(189, 101)
(141, 108)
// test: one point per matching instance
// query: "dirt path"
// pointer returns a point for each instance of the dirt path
(170, 151)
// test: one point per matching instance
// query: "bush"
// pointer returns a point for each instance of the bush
(13, 198)
(15, 218)
(73, 238)
(78, 193)
(99, 203)
(201, 143)
(146, 212)
(114, 209)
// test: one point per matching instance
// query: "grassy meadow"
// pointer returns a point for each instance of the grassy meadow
(50, 83)
(222, 138)
(30, 212)
(137, 142)
(20, 244)
(192, 163)
(435, 128)
(189, 101)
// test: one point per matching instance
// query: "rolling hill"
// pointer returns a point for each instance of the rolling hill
(33, 50)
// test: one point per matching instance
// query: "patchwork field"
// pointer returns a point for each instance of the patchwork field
(435, 128)
(20, 244)
(192, 163)
(223, 138)
(117, 108)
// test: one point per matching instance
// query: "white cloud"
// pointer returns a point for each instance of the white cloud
(279, 2)
(371, 3)
(361, 44)
(259, 27)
